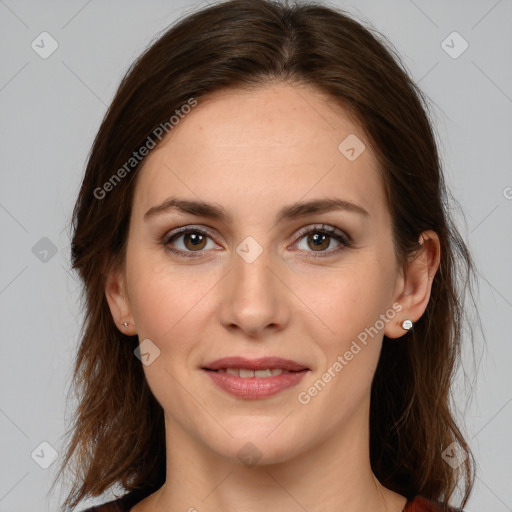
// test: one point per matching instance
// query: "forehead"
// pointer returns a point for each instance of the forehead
(270, 145)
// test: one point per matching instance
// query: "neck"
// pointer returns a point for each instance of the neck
(332, 476)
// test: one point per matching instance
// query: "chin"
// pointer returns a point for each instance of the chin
(256, 443)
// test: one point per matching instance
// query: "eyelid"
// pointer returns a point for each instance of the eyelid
(331, 230)
(166, 237)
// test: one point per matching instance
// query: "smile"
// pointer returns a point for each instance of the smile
(254, 379)
(247, 373)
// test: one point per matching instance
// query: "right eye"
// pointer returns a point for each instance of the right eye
(193, 240)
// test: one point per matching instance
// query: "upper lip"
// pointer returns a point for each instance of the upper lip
(262, 363)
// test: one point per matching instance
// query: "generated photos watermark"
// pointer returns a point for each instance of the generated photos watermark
(137, 156)
(304, 397)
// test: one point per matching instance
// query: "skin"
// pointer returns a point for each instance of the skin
(254, 151)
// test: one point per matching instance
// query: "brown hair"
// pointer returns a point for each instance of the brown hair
(118, 435)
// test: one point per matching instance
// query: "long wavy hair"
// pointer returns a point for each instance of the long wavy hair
(117, 436)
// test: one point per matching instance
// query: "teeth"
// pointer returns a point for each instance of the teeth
(263, 373)
(245, 373)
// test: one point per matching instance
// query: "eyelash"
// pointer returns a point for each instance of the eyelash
(344, 239)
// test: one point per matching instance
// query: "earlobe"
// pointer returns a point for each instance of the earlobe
(119, 302)
(417, 284)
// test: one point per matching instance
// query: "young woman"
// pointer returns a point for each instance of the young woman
(271, 275)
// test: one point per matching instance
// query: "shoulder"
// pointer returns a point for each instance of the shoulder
(111, 506)
(123, 504)
(422, 504)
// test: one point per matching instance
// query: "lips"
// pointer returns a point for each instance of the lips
(263, 363)
(254, 379)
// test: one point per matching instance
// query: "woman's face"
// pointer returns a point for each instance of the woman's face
(258, 283)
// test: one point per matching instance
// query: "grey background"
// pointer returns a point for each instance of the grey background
(50, 111)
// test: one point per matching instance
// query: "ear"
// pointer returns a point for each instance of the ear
(119, 302)
(413, 288)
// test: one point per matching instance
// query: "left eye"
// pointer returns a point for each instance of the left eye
(319, 239)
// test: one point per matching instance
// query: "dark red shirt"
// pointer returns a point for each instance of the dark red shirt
(421, 504)
(417, 504)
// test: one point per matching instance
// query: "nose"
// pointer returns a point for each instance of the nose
(254, 298)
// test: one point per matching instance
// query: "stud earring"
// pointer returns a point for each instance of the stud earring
(126, 324)
(406, 324)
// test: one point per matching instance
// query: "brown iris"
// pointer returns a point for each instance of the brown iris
(196, 241)
(320, 241)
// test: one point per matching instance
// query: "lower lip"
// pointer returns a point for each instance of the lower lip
(254, 388)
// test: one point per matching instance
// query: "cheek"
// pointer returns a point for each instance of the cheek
(346, 300)
(169, 306)
(349, 305)
(165, 299)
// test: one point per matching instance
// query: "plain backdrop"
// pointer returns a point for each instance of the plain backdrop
(51, 109)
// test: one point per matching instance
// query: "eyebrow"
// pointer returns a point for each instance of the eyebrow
(290, 212)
